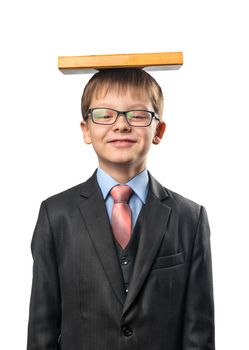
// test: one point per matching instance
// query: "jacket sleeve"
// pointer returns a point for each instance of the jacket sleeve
(45, 306)
(198, 332)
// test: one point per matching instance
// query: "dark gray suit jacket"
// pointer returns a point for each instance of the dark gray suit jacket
(78, 301)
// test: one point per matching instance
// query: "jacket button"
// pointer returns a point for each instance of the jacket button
(124, 260)
(127, 331)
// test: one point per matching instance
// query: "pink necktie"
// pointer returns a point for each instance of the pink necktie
(121, 214)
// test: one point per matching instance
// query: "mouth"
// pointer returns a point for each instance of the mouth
(122, 142)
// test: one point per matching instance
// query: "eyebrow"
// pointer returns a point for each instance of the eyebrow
(136, 106)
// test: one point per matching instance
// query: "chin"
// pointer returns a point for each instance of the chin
(119, 161)
(123, 161)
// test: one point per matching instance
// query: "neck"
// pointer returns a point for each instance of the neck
(122, 173)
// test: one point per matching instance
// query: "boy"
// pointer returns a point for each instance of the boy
(121, 262)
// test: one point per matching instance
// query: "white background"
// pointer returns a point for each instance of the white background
(204, 155)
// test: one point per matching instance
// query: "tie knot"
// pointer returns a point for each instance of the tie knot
(121, 193)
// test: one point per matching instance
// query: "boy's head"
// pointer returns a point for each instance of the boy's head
(122, 117)
(119, 80)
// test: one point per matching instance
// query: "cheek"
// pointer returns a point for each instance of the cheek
(147, 138)
(95, 135)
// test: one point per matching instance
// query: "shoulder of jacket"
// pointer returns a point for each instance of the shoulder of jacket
(69, 192)
(183, 205)
(72, 193)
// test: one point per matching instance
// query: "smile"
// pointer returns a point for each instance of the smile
(122, 142)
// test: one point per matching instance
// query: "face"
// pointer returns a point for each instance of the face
(121, 144)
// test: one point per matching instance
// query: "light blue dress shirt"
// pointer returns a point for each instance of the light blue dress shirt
(139, 185)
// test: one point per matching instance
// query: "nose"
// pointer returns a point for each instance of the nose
(121, 123)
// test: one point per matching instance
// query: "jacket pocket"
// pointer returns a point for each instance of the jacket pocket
(169, 260)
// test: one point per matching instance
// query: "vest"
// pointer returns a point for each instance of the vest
(127, 256)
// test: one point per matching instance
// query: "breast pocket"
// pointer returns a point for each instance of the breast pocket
(169, 261)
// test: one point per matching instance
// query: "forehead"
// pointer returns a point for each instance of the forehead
(116, 92)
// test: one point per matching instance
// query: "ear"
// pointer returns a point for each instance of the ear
(159, 133)
(86, 132)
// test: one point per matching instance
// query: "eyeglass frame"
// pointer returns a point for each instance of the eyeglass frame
(153, 115)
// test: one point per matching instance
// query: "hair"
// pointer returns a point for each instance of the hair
(119, 80)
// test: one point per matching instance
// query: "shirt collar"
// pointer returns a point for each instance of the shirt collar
(138, 183)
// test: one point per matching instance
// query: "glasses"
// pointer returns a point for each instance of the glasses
(109, 116)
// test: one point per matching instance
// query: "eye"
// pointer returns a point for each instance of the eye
(103, 114)
(138, 115)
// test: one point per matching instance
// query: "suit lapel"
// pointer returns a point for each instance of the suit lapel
(152, 231)
(92, 207)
